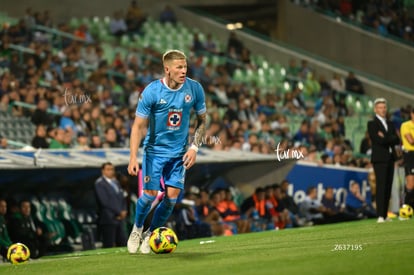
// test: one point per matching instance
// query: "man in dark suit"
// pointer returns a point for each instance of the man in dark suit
(112, 209)
(384, 139)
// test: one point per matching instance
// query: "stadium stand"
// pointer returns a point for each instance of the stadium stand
(386, 18)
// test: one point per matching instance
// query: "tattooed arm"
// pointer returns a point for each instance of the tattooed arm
(200, 130)
(190, 156)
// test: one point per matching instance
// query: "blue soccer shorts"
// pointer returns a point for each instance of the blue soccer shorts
(170, 169)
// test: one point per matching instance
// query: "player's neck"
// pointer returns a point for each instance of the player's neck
(171, 84)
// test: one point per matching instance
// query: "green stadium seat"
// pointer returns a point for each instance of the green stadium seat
(74, 23)
(238, 76)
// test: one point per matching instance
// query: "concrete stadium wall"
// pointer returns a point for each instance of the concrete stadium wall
(65, 9)
(346, 44)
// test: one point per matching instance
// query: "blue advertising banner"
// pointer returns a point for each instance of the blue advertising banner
(304, 175)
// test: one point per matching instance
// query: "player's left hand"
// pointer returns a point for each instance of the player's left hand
(189, 158)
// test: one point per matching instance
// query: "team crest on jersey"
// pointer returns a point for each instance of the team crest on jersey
(174, 119)
(187, 98)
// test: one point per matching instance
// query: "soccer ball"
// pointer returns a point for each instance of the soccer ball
(18, 253)
(406, 211)
(163, 240)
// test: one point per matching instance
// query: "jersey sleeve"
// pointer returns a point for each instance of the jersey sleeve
(145, 103)
(403, 129)
(200, 104)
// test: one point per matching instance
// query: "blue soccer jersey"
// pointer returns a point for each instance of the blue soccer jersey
(169, 113)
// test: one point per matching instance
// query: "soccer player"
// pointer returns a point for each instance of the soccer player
(164, 110)
(407, 137)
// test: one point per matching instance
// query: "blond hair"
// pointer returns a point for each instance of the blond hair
(172, 55)
(380, 100)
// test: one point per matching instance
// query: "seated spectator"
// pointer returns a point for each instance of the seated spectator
(83, 33)
(272, 206)
(303, 134)
(230, 212)
(5, 52)
(121, 131)
(197, 46)
(314, 211)
(209, 214)
(66, 121)
(5, 240)
(117, 25)
(328, 200)
(254, 208)
(189, 225)
(134, 18)
(96, 141)
(168, 15)
(304, 69)
(210, 45)
(337, 84)
(40, 115)
(289, 203)
(365, 145)
(245, 59)
(292, 73)
(233, 212)
(357, 205)
(288, 200)
(285, 218)
(234, 43)
(111, 138)
(352, 84)
(40, 140)
(3, 142)
(82, 142)
(24, 229)
(90, 56)
(58, 141)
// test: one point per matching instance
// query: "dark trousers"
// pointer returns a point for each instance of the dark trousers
(113, 235)
(384, 174)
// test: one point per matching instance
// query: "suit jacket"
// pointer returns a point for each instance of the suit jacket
(110, 202)
(381, 145)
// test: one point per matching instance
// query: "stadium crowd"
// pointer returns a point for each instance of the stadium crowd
(84, 101)
(383, 16)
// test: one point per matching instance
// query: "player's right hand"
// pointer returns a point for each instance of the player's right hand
(133, 168)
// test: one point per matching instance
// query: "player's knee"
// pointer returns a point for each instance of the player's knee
(147, 199)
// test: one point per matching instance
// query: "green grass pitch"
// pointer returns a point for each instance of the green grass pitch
(362, 247)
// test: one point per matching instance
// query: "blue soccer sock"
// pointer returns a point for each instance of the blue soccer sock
(162, 212)
(143, 208)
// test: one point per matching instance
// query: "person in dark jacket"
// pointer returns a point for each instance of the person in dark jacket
(384, 138)
(40, 140)
(112, 209)
(24, 229)
(5, 240)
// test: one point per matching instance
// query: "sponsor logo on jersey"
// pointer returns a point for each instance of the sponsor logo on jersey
(162, 101)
